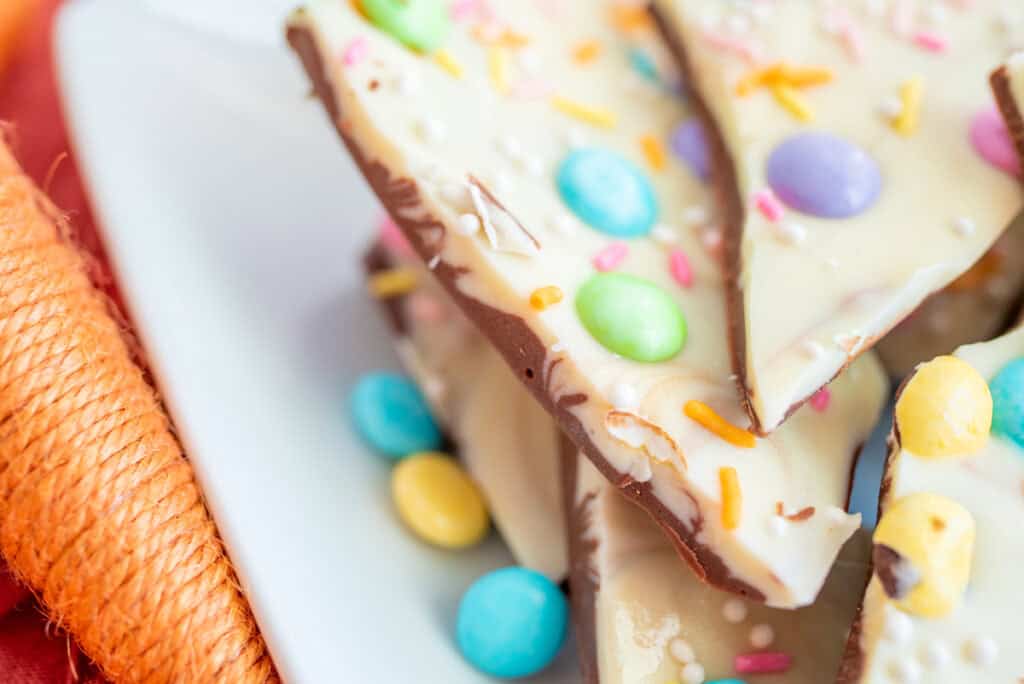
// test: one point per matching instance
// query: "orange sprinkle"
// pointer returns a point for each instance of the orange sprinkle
(706, 416)
(392, 282)
(806, 77)
(782, 74)
(543, 297)
(630, 17)
(586, 52)
(757, 78)
(654, 151)
(732, 497)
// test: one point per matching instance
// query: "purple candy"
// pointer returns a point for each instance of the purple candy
(689, 144)
(822, 175)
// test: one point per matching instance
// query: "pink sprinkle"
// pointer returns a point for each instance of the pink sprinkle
(679, 267)
(821, 399)
(769, 205)
(902, 17)
(356, 51)
(611, 256)
(532, 89)
(729, 44)
(932, 42)
(462, 10)
(391, 237)
(853, 39)
(762, 663)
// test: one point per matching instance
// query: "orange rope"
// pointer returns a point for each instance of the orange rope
(99, 512)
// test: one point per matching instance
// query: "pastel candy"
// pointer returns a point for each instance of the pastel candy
(607, 192)
(929, 540)
(438, 501)
(511, 622)
(1007, 389)
(643, 64)
(391, 415)
(631, 317)
(944, 410)
(418, 24)
(991, 140)
(690, 144)
(822, 175)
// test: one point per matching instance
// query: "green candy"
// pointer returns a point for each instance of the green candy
(420, 25)
(631, 317)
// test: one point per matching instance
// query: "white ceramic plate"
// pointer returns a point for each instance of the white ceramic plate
(235, 221)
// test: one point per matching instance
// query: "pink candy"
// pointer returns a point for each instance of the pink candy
(992, 141)
(932, 42)
(611, 256)
(820, 399)
(679, 267)
(355, 52)
(769, 205)
(762, 663)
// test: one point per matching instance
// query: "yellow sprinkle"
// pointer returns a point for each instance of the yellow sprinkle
(732, 497)
(511, 39)
(497, 64)
(654, 152)
(586, 51)
(706, 416)
(630, 17)
(392, 282)
(594, 116)
(445, 60)
(543, 297)
(790, 99)
(910, 96)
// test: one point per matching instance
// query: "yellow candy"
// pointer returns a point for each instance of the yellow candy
(945, 410)
(933, 539)
(438, 501)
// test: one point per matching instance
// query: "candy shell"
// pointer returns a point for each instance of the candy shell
(438, 501)
(690, 144)
(1007, 389)
(391, 415)
(511, 622)
(607, 192)
(823, 175)
(992, 141)
(420, 25)
(944, 410)
(631, 317)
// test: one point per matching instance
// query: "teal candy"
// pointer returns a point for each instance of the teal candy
(418, 24)
(631, 317)
(391, 415)
(607, 192)
(643, 65)
(1007, 389)
(511, 622)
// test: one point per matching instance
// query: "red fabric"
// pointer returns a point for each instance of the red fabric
(32, 651)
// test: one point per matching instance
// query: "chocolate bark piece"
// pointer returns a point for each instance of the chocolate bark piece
(507, 442)
(641, 617)
(471, 174)
(849, 168)
(1007, 83)
(977, 642)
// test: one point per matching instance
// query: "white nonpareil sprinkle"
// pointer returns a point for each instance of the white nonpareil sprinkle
(624, 396)
(468, 224)
(937, 14)
(790, 233)
(981, 651)
(734, 611)
(891, 107)
(777, 526)
(876, 8)
(692, 673)
(434, 261)
(681, 650)
(408, 83)
(695, 215)
(812, 349)
(898, 627)
(510, 147)
(529, 60)
(738, 24)
(502, 183)
(456, 194)
(663, 234)
(574, 137)
(762, 636)
(432, 130)
(935, 655)
(964, 226)
(832, 263)
(533, 165)
(712, 239)
(905, 671)
(564, 224)
(558, 347)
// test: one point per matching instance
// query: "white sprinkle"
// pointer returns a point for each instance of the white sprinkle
(434, 261)
(790, 233)
(905, 671)
(575, 137)
(564, 224)
(832, 263)
(695, 215)
(558, 347)
(502, 183)
(891, 107)
(681, 650)
(898, 627)
(738, 24)
(964, 226)
(812, 349)
(511, 147)
(408, 83)
(533, 166)
(876, 8)
(712, 239)
(760, 12)
(529, 60)
(777, 526)
(937, 14)
(734, 611)
(1005, 20)
(432, 130)
(762, 636)
(468, 224)
(624, 396)
(981, 651)
(456, 194)
(935, 655)
(663, 234)
(692, 673)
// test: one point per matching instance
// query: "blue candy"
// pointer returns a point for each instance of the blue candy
(607, 192)
(643, 65)
(511, 622)
(1007, 389)
(390, 413)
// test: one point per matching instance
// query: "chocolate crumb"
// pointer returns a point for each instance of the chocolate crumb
(896, 573)
(374, 84)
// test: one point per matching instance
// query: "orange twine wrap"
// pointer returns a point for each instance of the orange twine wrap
(99, 511)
